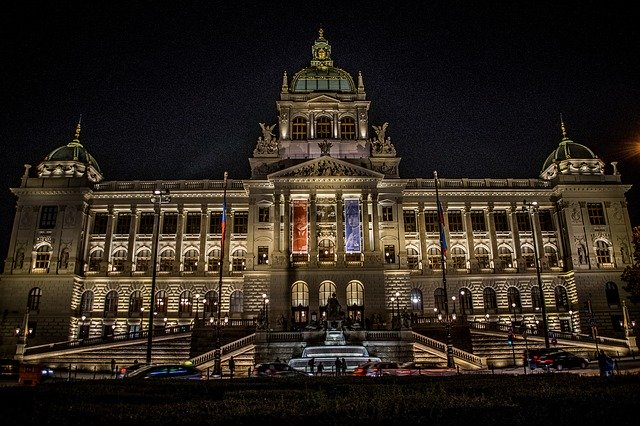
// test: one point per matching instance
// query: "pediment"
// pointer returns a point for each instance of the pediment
(325, 166)
(322, 99)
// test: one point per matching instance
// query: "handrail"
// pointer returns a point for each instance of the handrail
(116, 338)
(225, 349)
(442, 347)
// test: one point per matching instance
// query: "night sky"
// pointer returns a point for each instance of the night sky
(175, 90)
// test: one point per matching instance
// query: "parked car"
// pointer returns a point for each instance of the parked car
(276, 369)
(421, 369)
(562, 359)
(167, 371)
(376, 369)
(125, 371)
(532, 356)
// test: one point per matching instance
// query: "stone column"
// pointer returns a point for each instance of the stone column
(376, 222)
(422, 229)
(473, 262)
(204, 230)
(104, 267)
(517, 251)
(131, 246)
(366, 243)
(491, 227)
(177, 265)
(340, 230)
(313, 236)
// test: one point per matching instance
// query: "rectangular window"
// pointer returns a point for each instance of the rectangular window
(596, 214)
(524, 221)
(478, 224)
(387, 213)
(409, 217)
(263, 214)
(546, 223)
(455, 221)
(193, 223)
(100, 223)
(215, 223)
(146, 223)
(240, 222)
(501, 220)
(170, 223)
(431, 222)
(123, 225)
(263, 255)
(48, 216)
(390, 253)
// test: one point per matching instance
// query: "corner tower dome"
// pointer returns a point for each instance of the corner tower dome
(71, 160)
(571, 158)
(322, 76)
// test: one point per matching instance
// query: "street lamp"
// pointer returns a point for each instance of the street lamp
(265, 309)
(513, 308)
(398, 308)
(532, 208)
(462, 303)
(453, 315)
(159, 197)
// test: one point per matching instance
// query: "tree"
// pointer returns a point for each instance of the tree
(631, 274)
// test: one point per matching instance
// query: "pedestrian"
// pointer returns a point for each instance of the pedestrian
(338, 366)
(344, 366)
(320, 368)
(311, 364)
(113, 367)
(232, 367)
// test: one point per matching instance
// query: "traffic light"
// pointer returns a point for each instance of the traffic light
(510, 339)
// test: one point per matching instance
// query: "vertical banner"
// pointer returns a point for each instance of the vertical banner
(300, 232)
(352, 225)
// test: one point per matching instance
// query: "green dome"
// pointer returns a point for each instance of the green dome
(568, 149)
(322, 76)
(74, 151)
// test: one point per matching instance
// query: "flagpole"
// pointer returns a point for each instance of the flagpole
(217, 368)
(443, 247)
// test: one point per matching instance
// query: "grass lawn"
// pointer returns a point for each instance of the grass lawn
(539, 399)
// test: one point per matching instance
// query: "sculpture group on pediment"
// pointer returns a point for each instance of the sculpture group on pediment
(382, 144)
(267, 144)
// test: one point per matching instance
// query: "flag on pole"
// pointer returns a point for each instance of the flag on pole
(443, 239)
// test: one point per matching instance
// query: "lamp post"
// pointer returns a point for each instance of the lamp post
(399, 320)
(159, 197)
(217, 368)
(265, 308)
(462, 303)
(453, 314)
(532, 208)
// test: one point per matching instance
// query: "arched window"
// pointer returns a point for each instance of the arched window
(185, 303)
(603, 253)
(33, 300)
(413, 258)
(86, 302)
(355, 293)
(551, 255)
(238, 260)
(299, 129)
(562, 301)
(111, 304)
(416, 300)
(439, 299)
(236, 300)
(528, 256)
(327, 288)
(326, 250)
(213, 259)
(347, 128)
(434, 257)
(210, 303)
(611, 292)
(191, 260)
(459, 257)
(94, 260)
(143, 260)
(536, 301)
(299, 294)
(167, 257)
(466, 300)
(506, 255)
(323, 127)
(117, 260)
(490, 300)
(135, 303)
(482, 256)
(513, 300)
(43, 257)
(161, 302)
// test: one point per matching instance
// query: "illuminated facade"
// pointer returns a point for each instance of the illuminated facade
(324, 211)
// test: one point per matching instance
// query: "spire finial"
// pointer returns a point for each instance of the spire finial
(77, 135)
(564, 131)
(320, 33)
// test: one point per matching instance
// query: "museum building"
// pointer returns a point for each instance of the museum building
(324, 212)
